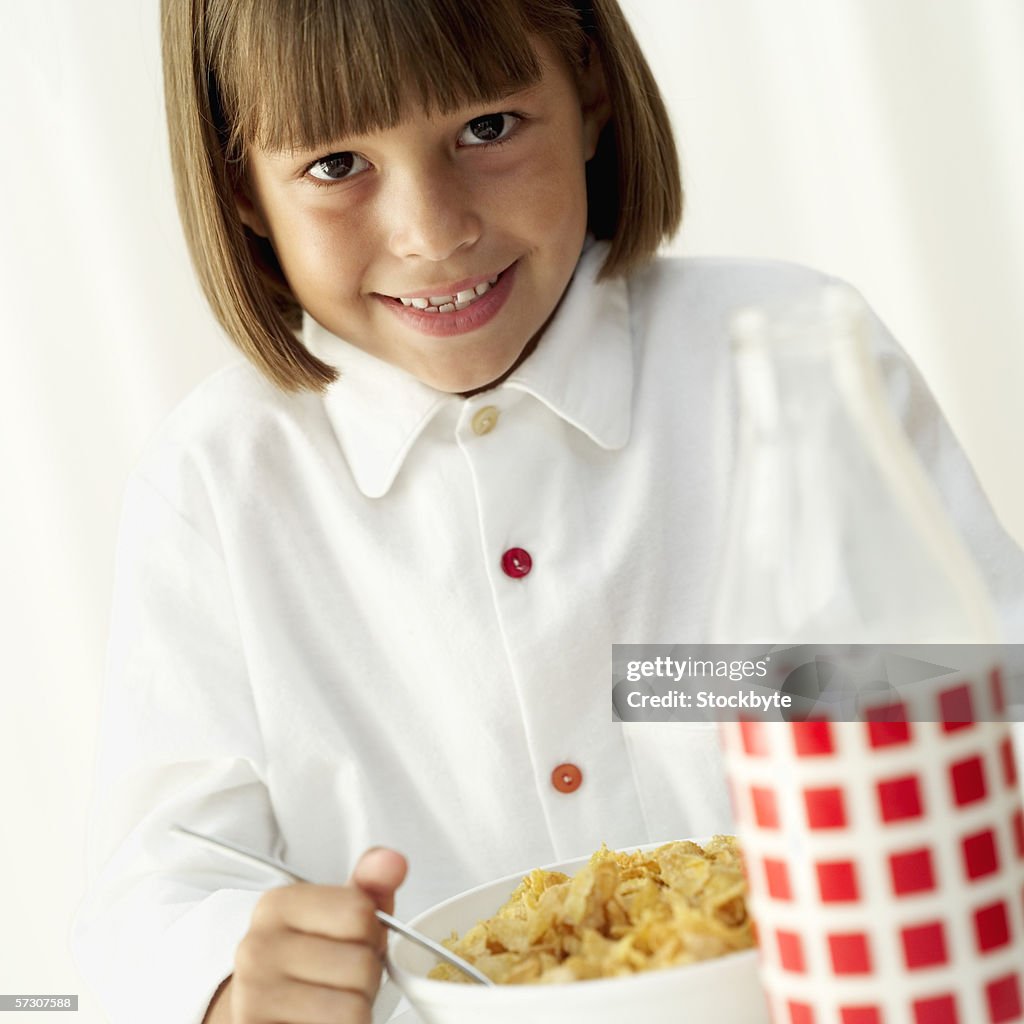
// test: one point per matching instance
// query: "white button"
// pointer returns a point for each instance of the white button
(485, 420)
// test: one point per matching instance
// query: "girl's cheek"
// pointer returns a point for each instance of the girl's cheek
(551, 199)
(330, 233)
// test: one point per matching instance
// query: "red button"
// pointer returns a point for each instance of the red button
(516, 563)
(566, 778)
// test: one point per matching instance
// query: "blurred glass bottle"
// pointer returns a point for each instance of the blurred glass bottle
(872, 847)
(835, 534)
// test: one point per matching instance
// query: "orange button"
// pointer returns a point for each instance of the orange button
(566, 778)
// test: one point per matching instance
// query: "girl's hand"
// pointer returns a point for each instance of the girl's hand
(313, 953)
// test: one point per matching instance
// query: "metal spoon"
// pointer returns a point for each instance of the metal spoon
(386, 919)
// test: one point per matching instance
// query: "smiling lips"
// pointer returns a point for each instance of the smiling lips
(471, 304)
(449, 303)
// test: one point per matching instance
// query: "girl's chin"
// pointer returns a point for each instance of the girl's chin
(462, 380)
(465, 385)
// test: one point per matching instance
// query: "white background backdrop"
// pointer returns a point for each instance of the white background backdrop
(882, 141)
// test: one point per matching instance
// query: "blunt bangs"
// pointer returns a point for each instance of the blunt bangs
(357, 67)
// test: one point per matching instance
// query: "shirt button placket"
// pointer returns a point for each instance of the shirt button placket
(516, 564)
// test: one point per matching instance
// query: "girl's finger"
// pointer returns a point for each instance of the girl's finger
(341, 965)
(379, 872)
(337, 912)
(299, 1003)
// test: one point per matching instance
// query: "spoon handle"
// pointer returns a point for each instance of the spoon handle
(240, 853)
(435, 947)
(386, 919)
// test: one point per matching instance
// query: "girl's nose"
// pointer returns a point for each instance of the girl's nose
(432, 215)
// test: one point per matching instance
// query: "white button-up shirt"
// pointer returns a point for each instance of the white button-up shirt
(317, 646)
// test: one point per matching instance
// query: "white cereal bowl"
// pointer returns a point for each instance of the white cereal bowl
(723, 990)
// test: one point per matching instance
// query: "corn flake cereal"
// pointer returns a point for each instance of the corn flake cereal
(620, 914)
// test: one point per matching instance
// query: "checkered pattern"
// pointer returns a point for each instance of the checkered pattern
(910, 852)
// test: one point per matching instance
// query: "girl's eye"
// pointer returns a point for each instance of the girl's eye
(489, 128)
(337, 167)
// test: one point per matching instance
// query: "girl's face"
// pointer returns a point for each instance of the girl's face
(480, 214)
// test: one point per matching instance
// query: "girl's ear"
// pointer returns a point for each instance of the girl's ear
(248, 211)
(594, 102)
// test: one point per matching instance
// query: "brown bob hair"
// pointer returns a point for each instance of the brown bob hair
(342, 67)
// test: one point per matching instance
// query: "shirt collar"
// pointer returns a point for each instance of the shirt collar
(582, 369)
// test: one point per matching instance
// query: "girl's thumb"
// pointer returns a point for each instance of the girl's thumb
(379, 872)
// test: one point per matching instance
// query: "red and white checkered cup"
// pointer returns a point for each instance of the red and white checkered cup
(886, 862)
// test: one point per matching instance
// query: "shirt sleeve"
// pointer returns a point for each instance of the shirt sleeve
(179, 743)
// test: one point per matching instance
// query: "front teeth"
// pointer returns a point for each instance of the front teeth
(450, 303)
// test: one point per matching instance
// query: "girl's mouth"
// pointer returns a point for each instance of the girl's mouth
(464, 310)
(450, 303)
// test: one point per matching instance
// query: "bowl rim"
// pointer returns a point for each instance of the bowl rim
(431, 986)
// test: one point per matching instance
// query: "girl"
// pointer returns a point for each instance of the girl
(368, 579)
